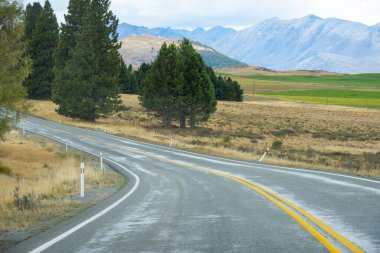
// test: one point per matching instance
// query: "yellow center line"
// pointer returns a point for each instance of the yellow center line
(263, 191)
(347, 243)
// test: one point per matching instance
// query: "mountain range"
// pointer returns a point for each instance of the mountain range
(139, 49)
(307, 43)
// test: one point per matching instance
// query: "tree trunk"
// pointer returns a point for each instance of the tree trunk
(182, 121)
(192, 120)
(166, 121)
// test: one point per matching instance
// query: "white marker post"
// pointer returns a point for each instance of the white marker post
(171, 140)
(101, 161)
(23, 130)
(67, 148)
(82, 179)
(263, 156)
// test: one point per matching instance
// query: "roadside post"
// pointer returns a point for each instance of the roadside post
(101, 161)
(82, 179)
(263, 156)
(23, 130)
(67, 148)
(171, 140)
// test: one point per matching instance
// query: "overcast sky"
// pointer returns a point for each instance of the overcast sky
(230, 13)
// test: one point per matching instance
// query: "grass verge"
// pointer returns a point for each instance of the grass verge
(40, 184)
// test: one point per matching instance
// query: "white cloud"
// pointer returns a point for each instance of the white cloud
(232, 13)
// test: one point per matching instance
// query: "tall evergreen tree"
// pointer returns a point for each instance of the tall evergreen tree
(162, 87)
(14, 66)
(31, 14)
(41, 49)
(67, 42)
(225, 88)
(90, 78)
(127, 79)
(198, 91)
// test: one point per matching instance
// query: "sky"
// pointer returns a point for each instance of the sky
(237, 14)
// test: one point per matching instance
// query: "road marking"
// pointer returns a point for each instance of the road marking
(270, 195)
(96, 216)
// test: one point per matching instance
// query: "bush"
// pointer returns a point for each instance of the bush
(5, 170)
(277, 145)
(310, 152)
(25, 202)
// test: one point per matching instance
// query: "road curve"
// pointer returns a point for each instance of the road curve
(178, 201)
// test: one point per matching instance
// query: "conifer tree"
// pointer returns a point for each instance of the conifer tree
(90, 78)
(67, 42)
(162, 87)
(225, 88)
(31, 14)
(127, 79)
(198, 91)
(14, 66)
(41, 48)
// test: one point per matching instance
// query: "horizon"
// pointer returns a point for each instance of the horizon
(238, 14)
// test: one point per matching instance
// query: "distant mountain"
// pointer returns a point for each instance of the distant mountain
(201, 35)
(144, 49)
(310, 43)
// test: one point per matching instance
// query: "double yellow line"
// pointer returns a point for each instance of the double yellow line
(288, 207)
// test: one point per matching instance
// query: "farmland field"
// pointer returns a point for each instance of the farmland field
(361, 90)
(370, 99)
(359, 80)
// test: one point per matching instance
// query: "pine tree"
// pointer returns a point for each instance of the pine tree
(225, 88)
(162, 87)
(198, 91)
(67, 42)
(90, 78)
(140, 74)
(14, 66)
(127, 80)
(31, 14)
(41, 49)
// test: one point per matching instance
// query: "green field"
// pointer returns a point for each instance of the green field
(369, 99)
(359, 80)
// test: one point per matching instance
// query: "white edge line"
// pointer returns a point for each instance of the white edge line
(274, 167)
(96, 216)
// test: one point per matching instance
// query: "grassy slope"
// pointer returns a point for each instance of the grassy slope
(215, 59)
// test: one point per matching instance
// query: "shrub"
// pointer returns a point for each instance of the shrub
(310, 152)
(5, 170)
(25, 202)
(277, 145)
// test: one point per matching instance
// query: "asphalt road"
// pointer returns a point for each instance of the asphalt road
(177, 201)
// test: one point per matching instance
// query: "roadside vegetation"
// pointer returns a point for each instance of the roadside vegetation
(40, 183)
(14, 65)
(333, 138)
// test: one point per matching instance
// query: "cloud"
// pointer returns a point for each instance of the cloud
(231, 13)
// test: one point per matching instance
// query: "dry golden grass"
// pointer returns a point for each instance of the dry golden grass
(49, 177)
(243, 130)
